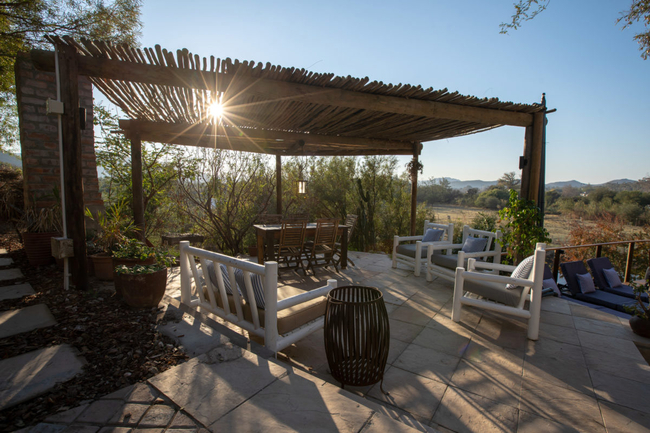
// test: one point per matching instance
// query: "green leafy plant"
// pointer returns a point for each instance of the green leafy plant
(139, 269)
(133, 249)
(115, 227)
(639, 308)
(522, 229)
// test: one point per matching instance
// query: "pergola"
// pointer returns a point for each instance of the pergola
(267, 109)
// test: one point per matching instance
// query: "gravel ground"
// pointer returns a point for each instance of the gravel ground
(120, 344)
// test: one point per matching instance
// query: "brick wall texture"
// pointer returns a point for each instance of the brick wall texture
(39, 137)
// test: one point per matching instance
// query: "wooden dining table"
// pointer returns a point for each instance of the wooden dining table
(267, 233)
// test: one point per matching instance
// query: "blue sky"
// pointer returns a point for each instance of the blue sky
(590, 69)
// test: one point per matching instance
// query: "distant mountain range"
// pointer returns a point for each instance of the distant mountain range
(11, 160)
(483, 184)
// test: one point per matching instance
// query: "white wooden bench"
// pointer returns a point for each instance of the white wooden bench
(287, 315)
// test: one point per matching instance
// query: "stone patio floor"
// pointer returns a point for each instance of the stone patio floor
(585, 373)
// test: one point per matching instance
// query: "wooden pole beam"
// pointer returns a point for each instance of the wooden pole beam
(234, 86)
(137, 185)
(278, 187)
(275, 141)
(415, 167)
(74, 192)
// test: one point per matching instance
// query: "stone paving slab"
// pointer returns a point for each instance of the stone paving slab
(16, 291)
(10, 274)
(211, 385)
(26, 319)
(6, 261)
(31, 374)
(194, 337)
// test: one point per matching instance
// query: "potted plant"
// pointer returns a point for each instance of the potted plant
(38, 227)
(640, 320)
(113, 229)
(129, 253)
(143, 286)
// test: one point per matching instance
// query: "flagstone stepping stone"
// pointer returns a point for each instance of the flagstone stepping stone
(3, 251)
(10, 274)
(15, 292)
(6, 261)
(26, 319)
(31, 374)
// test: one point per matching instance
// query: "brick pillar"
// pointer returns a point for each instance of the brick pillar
(39, 137)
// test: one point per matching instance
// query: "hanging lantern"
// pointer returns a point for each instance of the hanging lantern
(302, 186)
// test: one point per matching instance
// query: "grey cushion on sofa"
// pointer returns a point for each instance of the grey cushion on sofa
(494, 291)
(446, 261)
(409, 250)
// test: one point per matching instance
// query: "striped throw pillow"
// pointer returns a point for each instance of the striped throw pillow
(522, 271)
(257, 285)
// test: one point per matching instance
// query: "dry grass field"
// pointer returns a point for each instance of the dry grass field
(558, 226)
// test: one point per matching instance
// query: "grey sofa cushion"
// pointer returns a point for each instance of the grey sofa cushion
(409, 250)
(494, 291)
(446, 261)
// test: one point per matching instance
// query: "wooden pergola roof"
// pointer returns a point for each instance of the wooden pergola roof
(277, 110)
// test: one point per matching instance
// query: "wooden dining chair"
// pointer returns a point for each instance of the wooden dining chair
(351, 222)
(269, 218)
(321, 252)
(289, 252)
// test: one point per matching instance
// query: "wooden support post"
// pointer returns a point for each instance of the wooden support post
(556, 263)
(599, 251)
(74, 191)
(628, 265)
(278, 187)
(533, 167)
(138, 188)
(415, 167)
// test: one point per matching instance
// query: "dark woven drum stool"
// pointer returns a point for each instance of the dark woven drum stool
(357, 335)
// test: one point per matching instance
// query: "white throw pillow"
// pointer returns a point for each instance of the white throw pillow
(586, 283)
(612, 277)
(522, 271)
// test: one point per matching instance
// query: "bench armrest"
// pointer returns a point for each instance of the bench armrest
(307, 296)
(480, 276)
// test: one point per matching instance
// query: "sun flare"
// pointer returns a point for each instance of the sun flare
(216, 110)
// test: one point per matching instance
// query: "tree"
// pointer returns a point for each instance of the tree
(162, 164)
(639, 11)
(509, 181)
(226, 196)
(23, 23)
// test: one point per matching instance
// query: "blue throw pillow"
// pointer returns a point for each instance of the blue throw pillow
(612, 277)
(256, 283)
(474, 245)
(550, 283)
(586, 283)
(432, 235)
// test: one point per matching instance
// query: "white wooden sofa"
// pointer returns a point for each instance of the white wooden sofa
(444, 265)
(247, 295)
(414, 255)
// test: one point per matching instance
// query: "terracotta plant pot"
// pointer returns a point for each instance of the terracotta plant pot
(38, 247)
(640, 326)
(142, 290)
(129, 263)
(103, 264)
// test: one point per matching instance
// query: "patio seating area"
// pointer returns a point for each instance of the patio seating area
(585, 373)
